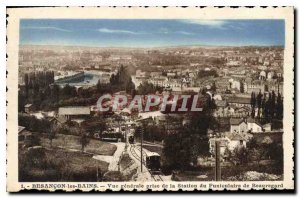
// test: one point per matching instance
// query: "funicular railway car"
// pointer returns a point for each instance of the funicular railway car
(111, 137)
(131, 139)
(153, 161)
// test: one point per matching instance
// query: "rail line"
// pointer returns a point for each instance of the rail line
(156, 177)
(135, 155)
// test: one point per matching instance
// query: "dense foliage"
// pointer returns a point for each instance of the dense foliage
(182, 149)
(41, 91)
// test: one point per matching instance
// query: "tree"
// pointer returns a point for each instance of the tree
(263, 106)
(183, 147)
(68, 92)
(276, 154)
(26, 80)
(214, 87)
(148, 88)
(33, 140)
(259, 103)
(112, 79)
(204, 73)
(242, 89)
(253, 103)
(122, 80)
(52, 133)
(272, 105)
(255, 150)
(279, 107)
(83, 140)
(129, 87)
(240, 155)
(267, 108)
(175, 152)
(153, 133)
(55, 92)
(95, 124)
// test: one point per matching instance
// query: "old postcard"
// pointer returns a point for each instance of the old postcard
(138, 98)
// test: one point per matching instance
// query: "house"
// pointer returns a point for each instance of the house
(242, 111)
(224, 124)
(238, 125)
(171, 74)
(235, 140)
(235, 84)
(239, 101)
(262, 75)
(140, 73)
(28, 108)
(217, 97)
(254, 126)
(270, 75)
(255, 86)
(229, 111)
(55, 121)
(155, 74)
(74, 113)
(267, 127)
(222, 85)
(43, 114)
(228, 141)
(221, 103)
(224, 141)
(23, 135)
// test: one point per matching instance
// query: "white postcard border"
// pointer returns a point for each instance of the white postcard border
(15, 14)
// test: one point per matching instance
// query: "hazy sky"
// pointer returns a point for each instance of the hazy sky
(151, 33)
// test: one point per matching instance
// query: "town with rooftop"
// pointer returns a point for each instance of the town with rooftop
(237, 135)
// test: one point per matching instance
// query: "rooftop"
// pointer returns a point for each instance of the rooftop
(220, 103)
(74, 110)
(236, 121)
(20, 129)
(239, 100)
(234, 136)
(28, 105)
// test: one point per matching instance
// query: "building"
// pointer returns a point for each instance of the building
(221, 105)
(23, 134)
(28, 108)
(74, 113)
(242, 111)
(235, 140)
(254, 126)
(228, 141)
(115, 57)
(255, 86)
(238, 125)
(224, 141)
(24, 137)
(239, 101)
(140, 73)
(262, 75)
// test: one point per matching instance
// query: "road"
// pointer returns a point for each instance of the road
(112, 160)
(134, 152)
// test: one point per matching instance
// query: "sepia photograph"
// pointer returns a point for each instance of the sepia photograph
(183, 102)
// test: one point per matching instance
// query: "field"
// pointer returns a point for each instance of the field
(59, 165)
(72, 142)
(232, 173)
(206, 174)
